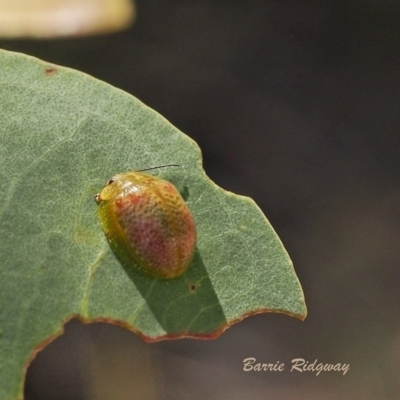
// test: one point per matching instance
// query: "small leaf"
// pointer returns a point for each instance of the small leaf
(62, 135)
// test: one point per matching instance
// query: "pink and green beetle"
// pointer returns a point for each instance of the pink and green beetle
(148, 224)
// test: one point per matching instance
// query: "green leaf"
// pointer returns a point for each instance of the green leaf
(62, 135)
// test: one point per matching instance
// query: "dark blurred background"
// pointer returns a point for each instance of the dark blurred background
(295, 104)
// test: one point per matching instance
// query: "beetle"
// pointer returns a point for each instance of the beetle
(148, 224)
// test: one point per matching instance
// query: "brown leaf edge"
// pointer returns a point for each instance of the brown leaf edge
(129, 327)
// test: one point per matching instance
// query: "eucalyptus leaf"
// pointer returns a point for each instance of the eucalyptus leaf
(62, 135)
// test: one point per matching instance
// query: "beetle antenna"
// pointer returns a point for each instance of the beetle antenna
(160, 166)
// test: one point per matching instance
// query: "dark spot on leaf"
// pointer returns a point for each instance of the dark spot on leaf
(193, 287)
(50, 70)
(185, 193)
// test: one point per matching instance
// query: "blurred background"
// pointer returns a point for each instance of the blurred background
(294, 104)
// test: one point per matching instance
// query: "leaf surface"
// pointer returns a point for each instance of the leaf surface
(62, 135)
